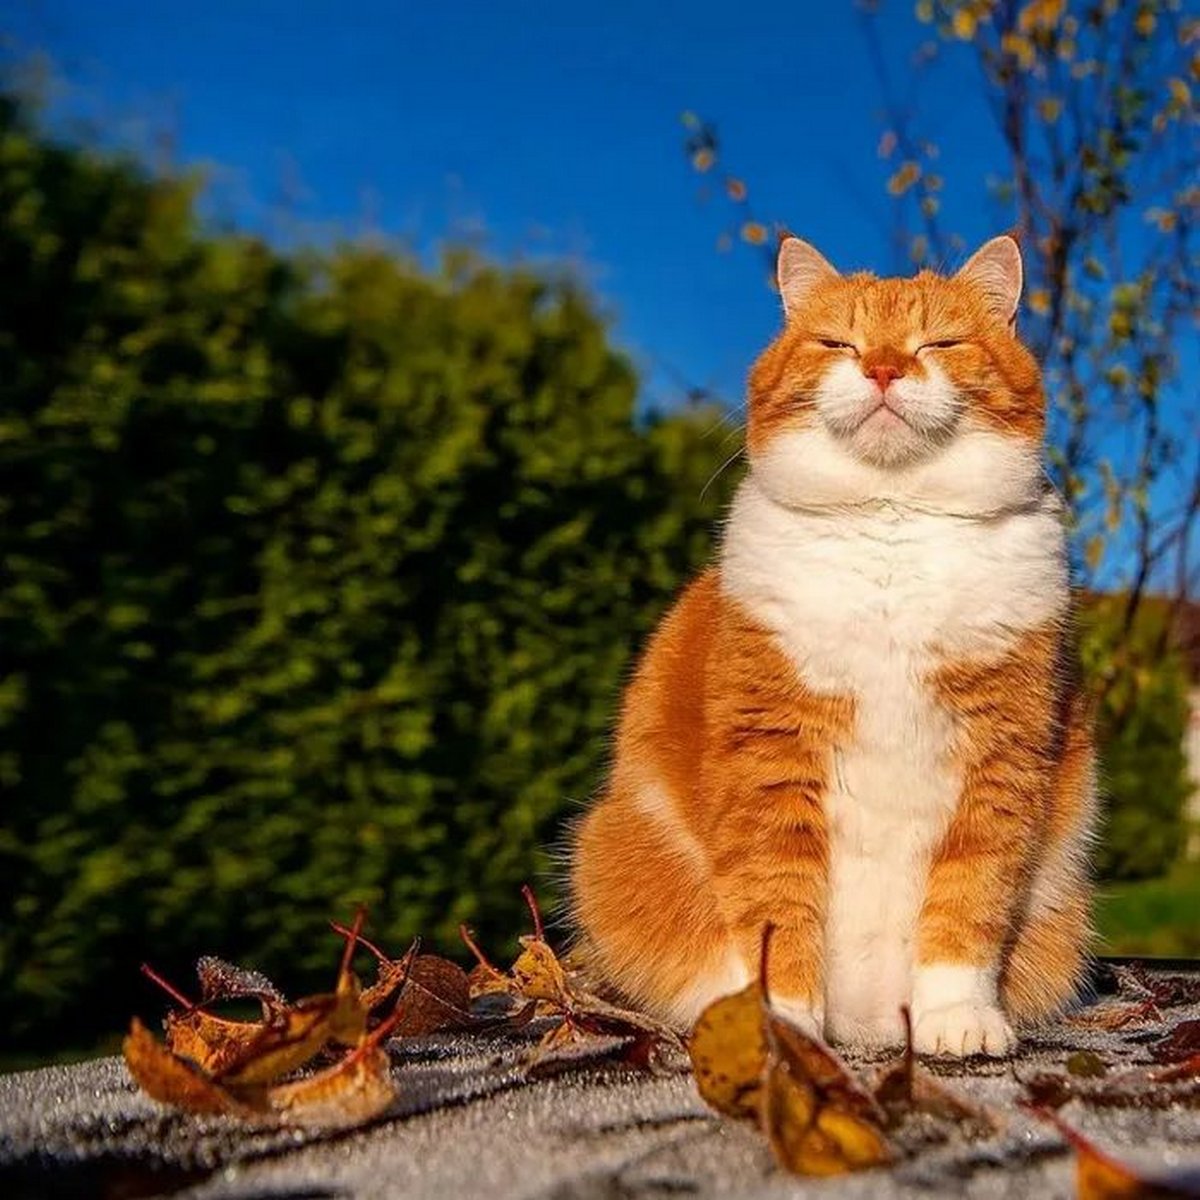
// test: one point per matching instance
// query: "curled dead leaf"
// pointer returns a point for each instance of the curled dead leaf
(221, 980)
(352, 1091)
(753, 1065)
(436, 996)
(390, 973)
(817, 1117)
(1116, 1015)
(212, 1043)
(166, 1077)
(1181, 1043)
(1100, 1176)
(905, 1089)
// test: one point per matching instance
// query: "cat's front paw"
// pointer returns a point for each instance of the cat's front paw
(963, 1029)
(806, 1016)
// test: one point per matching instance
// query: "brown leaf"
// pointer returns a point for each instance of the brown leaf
(166, 1077)
(221, 980)
(1135, 1089)
(1188, 1069)
(485, 978)
(817, 1117)
(285, 1043)
(905, 1088)
(390, 973)
(752, 1064)
(572, 1045)
(547, 986)
(212, 1043)
(301, 1033)
(536, 975)
(1099, 1176)
(352, 1091)
(1182, 1042)
(1116, 1016)
(436, 996)
(595, 1015)
(1173, 991)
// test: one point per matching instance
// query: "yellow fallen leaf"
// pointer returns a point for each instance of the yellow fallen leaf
(728, 1048)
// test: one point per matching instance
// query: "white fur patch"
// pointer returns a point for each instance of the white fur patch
(732, 975)
(938, 985)
(867, 590)
(655, 802)
(956, 1010)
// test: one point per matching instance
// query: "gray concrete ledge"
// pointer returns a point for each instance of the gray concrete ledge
(469, 1123)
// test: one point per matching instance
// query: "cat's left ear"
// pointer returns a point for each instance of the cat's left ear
(995, 268)
(797, 269)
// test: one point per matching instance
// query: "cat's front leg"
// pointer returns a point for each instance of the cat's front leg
(981, 868)
(765, 902)
(770, 876)
(764, 780)
(956, 1011)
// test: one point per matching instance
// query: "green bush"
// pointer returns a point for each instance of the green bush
(1140, 725)
(320, 578)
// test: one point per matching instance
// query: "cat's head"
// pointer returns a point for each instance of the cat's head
(911, 390)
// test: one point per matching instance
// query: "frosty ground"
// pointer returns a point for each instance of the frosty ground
(470, 1121)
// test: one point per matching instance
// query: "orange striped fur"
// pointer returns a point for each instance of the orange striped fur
(862, 725)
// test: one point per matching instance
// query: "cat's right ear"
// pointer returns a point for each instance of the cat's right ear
(797, 269)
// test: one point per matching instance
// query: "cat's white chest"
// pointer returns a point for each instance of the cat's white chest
(868, 604)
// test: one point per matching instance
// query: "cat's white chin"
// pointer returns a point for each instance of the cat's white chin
(978, 473)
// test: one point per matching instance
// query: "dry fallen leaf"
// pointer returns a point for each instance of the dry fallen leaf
(355, 1089)
(1116, 1015)
(437, 996)
(728, 1048)
(211, 1042)
(1099, 1176)
(436, 992)
(214, 1065)
(249, 1052)
(1181, 1043)
(541, 986)
(166, 1077)
(1188, 1069)
(817, 1117)
(390, 973)
(1167, 991)
(306, 1029)
(536, 975)
(905, 1089)
(753, 1065)
(221, 980)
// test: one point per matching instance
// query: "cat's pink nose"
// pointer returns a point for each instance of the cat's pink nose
(883, 374)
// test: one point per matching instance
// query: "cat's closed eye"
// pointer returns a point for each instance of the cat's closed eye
(834, 344)
(943, 344)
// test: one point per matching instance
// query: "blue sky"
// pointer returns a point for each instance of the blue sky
(544, 129)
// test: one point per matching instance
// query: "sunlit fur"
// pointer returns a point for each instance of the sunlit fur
(862, 725)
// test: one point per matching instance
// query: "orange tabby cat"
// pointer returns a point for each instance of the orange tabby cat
(862, 724)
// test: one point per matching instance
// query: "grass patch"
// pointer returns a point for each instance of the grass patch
(1155, 916)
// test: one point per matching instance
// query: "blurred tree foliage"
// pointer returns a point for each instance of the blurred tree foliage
(1141, 683)
(320, 574)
